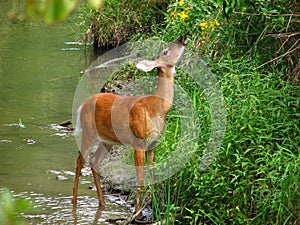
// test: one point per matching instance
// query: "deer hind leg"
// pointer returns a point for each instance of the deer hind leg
(87, 142)
(78, 170)
(95, 161)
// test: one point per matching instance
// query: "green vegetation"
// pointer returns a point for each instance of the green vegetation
(255, 179)
(55, 10)
(119, 21)
(253, 49)
(11, 208)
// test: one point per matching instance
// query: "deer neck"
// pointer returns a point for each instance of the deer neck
(165, 87)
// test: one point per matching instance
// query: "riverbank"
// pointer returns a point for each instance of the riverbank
(255, 177)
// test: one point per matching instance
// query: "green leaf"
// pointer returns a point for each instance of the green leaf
(58, 10)
(96, 4)
(35, 8)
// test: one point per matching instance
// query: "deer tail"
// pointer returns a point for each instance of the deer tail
(78, 123)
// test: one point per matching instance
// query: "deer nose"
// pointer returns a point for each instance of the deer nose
(183, 40)
(155, 58)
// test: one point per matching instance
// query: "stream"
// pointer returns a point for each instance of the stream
(39, 69)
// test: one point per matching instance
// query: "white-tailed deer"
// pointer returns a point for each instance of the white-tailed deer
(135, 121)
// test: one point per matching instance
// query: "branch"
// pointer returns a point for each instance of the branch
(281, 56)
(129, 220)
(260, 14)
(283, 35)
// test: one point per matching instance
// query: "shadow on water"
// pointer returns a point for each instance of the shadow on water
(39, 71)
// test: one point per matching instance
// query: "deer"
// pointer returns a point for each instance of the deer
(135, 121)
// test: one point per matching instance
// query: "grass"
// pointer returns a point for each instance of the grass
(118, 21)
(255, 178)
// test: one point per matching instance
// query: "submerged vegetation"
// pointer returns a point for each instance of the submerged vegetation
(253, 50)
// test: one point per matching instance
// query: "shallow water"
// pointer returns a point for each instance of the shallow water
(39, 70)
(57, 210)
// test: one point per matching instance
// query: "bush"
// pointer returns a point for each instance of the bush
(265, 30)
(255, 178)
(118, 21)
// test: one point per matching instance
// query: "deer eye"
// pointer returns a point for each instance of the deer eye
(165, 52)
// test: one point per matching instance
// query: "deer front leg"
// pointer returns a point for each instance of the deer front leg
(151, 158)
(98, 187)
(139, 158)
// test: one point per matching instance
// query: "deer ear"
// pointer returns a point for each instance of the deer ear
(146, 65)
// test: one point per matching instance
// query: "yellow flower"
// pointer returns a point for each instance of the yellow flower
(214, 24)
(187, 9)
(204, 35)
(173, 14)
(181, 3)
(217, 23)
(183, 15)
(203, 25)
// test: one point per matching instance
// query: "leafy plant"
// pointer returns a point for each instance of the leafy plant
(118, 21)
(20, 123)
(194, 18)
(255, 178)
(55, 10)
(266, 30)
(11, 208)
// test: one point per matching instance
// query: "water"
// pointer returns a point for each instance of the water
(39, 70)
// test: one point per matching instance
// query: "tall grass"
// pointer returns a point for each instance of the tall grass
(118, 21)
(255, 178)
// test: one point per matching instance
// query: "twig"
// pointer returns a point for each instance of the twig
(283, 35)
(286, 40)
(281, 56)
(65, 123)
(289, 22)
(129, 220)
(259, 14)
(62, 78)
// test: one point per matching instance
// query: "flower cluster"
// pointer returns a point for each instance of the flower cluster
(211, 25)
(182, 12)
(192, 17)
(206, 27)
